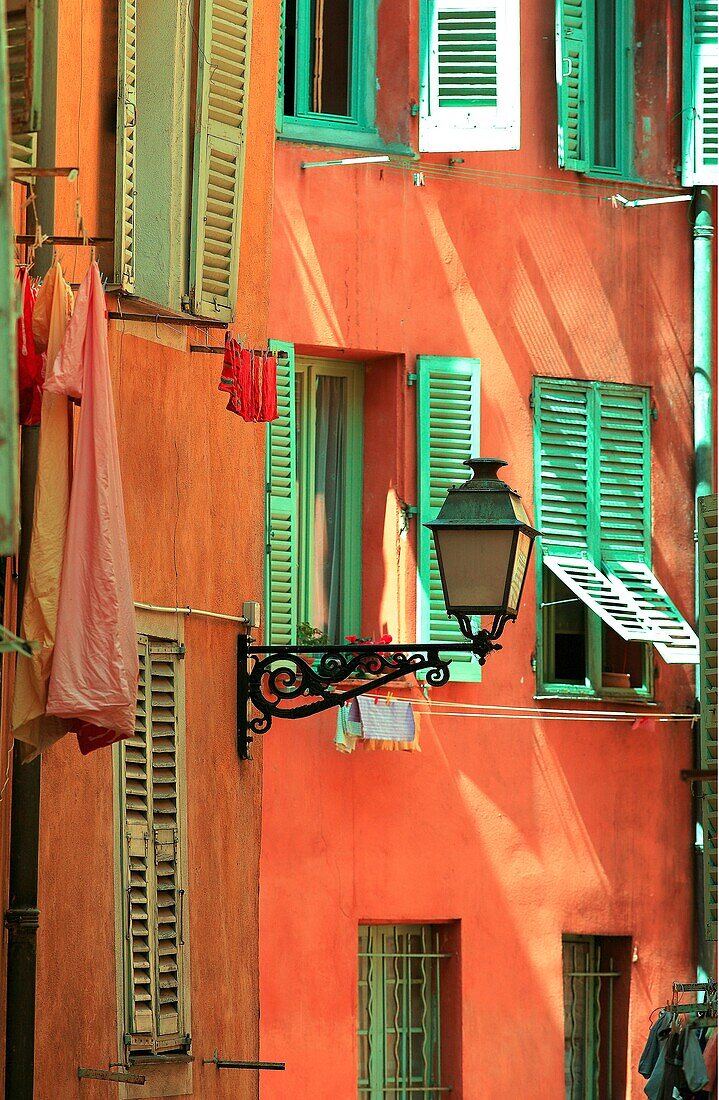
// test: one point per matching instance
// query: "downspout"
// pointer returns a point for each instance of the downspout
(22, 916)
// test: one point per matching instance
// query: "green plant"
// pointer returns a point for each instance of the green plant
(311, 635)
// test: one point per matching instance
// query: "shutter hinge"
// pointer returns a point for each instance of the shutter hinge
(531, 400)
(186, 303)
(414, 108)
(533, 661)
(654, 412)
(411, 378)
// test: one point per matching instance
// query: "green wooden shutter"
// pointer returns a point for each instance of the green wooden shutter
(8, 340)
(24, 45)
(562, 465)
(126, 183)
(154, 895)
(707, 576)
(701, 93)
(572, 58)
(469, 75)
(281, 508)
(219, 154)
(448, 393)
(624, 476)
(280, 105)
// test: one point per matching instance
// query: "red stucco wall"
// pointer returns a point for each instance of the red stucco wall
(520, 829)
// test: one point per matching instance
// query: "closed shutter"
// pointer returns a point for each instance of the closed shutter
(154, 924)
(448, 434)
(572, 57)
(8, 315)
(561, 463)
(707, 572)
(24, 44)
(281, 508)
(126, 183)
(469, 75)
(624, 479)
(701, 93)
(219, 154)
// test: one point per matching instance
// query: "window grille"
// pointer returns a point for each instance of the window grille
(589, 976)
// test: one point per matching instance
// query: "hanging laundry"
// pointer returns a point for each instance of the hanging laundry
(250, 378)
(349, 727)
(47, 543)
(95, 666)
(29, 360)
(268, 410)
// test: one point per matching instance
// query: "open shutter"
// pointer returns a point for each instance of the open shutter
(572, 56)
(561, 465)
(281, 507)
(624, 479)
(219, 154)
(707, 575)
(681, 646)
(447, 434)
(125, 184)
(701, 93)
(469, 75)
(24, 43)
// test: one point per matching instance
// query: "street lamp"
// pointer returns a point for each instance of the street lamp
(483, 540)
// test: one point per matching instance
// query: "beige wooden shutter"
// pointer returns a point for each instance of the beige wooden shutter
(24, 33)
(126, 183)
(219, 155)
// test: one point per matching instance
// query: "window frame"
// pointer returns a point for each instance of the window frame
(594, 552)
(358, 129)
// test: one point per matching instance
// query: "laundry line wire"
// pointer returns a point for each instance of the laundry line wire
(471, 711)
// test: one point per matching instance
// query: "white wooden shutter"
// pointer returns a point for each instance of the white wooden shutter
(469, 75)
(126, 182)
(701, 93)
(219, 154)
(681, 646)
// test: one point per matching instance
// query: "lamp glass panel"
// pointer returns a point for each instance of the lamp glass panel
(521, 560)
(475, 565)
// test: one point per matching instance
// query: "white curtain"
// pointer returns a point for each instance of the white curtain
(330, 490)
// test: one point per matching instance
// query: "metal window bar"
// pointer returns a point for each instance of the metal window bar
(589, 1020)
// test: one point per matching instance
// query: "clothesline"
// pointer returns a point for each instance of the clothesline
(470, 710)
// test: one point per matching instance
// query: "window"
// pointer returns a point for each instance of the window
(314, 519)
(701, 93)
(155, 979)
(327, 70)
(469, 75)
(595, 974)
(24, 20)
(599, 601)
(177, 244)
(400, 1011)
(595, 86)
(707, 580)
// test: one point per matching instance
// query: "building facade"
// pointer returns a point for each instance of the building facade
(501, 911)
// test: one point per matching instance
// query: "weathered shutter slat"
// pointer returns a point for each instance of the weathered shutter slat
(682, 644)
(607, 597)
(24, 44)
(624, 473)
(572, 57)
(125, 185)
(701, 93)
(281, 510)
(448, 392)
(561, 464)
(708, 605)
(469, 79)
(219, 154)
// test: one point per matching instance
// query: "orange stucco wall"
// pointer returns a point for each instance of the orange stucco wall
(519, 829)
(193, 479)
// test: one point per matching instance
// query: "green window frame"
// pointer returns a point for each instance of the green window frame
(399, 1012)
(299, 103)
(291, 480)
(595, 87)
(448, 401)
(592, 499)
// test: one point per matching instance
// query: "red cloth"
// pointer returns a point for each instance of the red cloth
(30, 367)
(95, 666)
(250, 378)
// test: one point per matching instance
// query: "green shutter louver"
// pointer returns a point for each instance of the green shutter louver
(561, 465)
(448, 392)
(24, 46)
(219, 154)
(624, 480)
(281, 509)
(469, 75)
(572, 55)
(707, 577)
(701, 93)
(151, 868)
(126, 182)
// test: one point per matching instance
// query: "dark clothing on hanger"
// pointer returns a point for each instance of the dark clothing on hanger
(650, 1053)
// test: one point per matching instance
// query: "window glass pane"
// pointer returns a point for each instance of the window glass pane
(605, 84)
(566, 625)
(329, 503)
(330, 57)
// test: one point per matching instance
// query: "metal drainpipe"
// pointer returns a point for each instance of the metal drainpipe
(22, 915)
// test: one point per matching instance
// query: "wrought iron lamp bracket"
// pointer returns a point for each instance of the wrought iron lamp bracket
(299, 681)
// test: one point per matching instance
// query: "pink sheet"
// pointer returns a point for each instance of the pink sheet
(95, 667)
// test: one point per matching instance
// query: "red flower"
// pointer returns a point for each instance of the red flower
(350, 637)
(385, 639)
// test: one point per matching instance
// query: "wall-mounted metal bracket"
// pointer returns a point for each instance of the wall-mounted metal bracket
(231, 1063)
(120, 1076)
